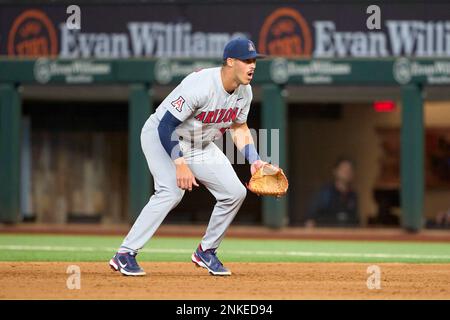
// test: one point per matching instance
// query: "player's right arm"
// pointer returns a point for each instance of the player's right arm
(242, 137)
(179, 105)
(243, 140)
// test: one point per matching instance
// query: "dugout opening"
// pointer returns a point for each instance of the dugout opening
(74, 161)
(329, 122)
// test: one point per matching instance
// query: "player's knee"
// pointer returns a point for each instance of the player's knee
(239, 193)
(175, 196)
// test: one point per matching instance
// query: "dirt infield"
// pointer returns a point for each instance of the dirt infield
(171, 280)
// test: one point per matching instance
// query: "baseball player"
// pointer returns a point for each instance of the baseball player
(177, 141)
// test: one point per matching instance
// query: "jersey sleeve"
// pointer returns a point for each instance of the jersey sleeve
(184, 99)
(243, 113)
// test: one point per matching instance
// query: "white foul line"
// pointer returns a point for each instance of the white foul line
(238, 252)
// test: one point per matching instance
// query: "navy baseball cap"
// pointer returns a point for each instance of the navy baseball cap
(241, 49)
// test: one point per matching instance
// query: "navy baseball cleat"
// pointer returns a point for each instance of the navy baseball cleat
(126, 263)
(208, 259)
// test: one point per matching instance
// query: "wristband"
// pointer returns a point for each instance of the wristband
(250, 153)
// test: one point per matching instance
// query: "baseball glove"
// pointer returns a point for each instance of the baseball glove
(268, 181)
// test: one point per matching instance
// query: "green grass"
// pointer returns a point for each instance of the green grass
(101, 248)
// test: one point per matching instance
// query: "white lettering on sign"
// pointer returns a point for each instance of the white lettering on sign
(145, 39)
(410, 38)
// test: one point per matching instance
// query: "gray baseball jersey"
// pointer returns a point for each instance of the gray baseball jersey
(203, 106)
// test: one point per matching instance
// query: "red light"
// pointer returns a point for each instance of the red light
(384, 106)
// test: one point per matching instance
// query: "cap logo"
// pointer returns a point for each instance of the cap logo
(251, 47)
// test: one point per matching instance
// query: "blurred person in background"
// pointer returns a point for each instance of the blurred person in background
(336, 204)
(441, 221)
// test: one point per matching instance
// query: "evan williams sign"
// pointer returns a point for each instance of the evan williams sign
(308, 72)
(73, 71)
(433, 72)
(32, 34)
(410, 38)
(166, 31)
(286, 32)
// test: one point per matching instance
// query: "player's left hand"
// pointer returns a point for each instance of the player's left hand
(256, 165)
